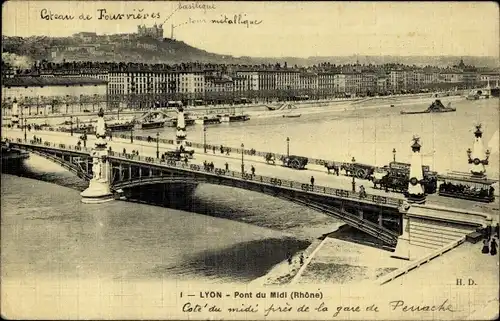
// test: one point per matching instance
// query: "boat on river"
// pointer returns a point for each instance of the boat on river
(436, 107)
(152, 124)
(292, 115)
(226, 118)
(206, 120)
(119, 126)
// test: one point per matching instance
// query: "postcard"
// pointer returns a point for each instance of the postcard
(218, 160)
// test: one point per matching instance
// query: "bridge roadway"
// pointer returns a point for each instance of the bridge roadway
(261, 168)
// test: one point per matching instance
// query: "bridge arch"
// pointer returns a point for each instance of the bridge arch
(62, 158)
(385, 235)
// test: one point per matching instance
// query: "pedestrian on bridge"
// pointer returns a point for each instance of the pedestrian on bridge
(124, 151)
(493, 247)
(227, 166)
(488, 232)
(186, 160)
(221, 149)
(312, 181)
(362, 192)
(213, 149)
(486, 248)
(253, 170)
(497, 231)
(301, 259)
(227, 151)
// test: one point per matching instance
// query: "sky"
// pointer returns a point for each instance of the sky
(286, 29)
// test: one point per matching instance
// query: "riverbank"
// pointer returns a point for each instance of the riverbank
(259, 110)
(343, 256)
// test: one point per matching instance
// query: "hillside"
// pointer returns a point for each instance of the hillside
(130, 48)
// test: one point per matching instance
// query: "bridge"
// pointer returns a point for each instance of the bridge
(376, 215)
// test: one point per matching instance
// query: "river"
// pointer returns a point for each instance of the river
(225, 234)
(367, 134)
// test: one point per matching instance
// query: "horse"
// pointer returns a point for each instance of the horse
(270, 158)
(381, 181)
(331, 165)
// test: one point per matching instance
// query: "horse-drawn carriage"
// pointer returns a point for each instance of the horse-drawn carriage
(173, 155)
(467, 187)
(396, 177)
(296, 162)
(361, 171)
(178, 155)
(292, 161)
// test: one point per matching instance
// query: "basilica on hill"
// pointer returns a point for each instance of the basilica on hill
(156, 31)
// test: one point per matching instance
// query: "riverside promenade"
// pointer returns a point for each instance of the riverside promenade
(255, 109)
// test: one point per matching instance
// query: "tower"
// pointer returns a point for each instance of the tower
(477, 156)
(99, 186)
(180, 136)
(416, 192)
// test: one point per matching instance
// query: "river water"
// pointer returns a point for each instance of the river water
(224, 234)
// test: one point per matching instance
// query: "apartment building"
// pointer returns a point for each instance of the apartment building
(45, 95)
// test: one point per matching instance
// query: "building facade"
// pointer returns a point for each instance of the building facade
(46, 95)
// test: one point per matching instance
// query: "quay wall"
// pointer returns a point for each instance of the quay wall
(256, 110)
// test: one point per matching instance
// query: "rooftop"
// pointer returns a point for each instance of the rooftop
(50, 81)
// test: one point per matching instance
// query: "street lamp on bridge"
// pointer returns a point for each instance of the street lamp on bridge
(394, 154)
(132, 134)
(71, 124)
(242, 161)
(157, 145)
(205, 138)
(353, 160)
(25, 127)
(288, 146)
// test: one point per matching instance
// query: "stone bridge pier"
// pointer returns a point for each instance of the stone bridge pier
(99, 190)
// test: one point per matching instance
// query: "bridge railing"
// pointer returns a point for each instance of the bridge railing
(279, 182)
(50, 145)
(249, 152)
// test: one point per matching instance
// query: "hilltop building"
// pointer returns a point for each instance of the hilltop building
(156, 31)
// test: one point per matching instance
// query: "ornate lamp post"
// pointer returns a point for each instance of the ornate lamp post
(477, 157)
(288, 146)
(84, 138)
(205, 138)
(353, 160)
(157, 145)
(25, 127)
(242, 161)
(394, 154)
(132, 134)
(71, 124)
